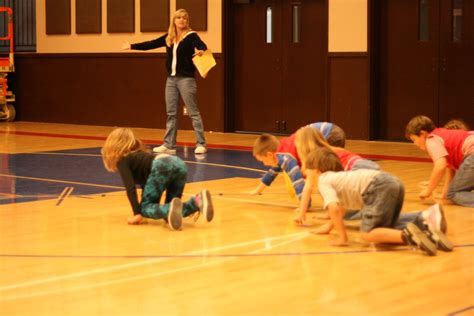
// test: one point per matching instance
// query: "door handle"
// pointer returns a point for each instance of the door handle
(443, 64)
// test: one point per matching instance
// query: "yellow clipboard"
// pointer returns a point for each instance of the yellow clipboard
(204, 63)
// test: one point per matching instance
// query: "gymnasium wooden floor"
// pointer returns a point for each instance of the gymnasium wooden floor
(65, 247)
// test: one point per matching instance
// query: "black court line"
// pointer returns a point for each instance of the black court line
(461, 310)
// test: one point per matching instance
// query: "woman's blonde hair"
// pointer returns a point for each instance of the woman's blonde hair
(172, 33)
(119, 143)
(308, 140)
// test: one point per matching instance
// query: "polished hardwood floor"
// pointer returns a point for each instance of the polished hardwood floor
(75, 254)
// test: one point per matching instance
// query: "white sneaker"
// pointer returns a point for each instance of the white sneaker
(434, 217)
(164, 150)
(200, 149)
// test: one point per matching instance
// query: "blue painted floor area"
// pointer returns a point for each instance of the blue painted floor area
(39, 176)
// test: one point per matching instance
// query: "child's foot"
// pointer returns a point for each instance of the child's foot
(434, 217)
(204, 202)
(175, 216)
(323, 229)
(438, 238)
(413, 236)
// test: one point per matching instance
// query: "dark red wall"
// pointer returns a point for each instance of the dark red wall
(106, 89)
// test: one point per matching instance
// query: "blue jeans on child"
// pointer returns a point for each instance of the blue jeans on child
(187, 88)
(460, 189)
(167, 173)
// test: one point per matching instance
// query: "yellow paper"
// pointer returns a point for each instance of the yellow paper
(204, 63)
(289, 185)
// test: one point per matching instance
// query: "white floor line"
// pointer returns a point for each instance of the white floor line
(293, 206)
(266, 247)
(145, 262)
(61, 181)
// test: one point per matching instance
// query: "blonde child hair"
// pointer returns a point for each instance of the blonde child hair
(119, 143)
(323, 160)
(309, 140)
(172, 37)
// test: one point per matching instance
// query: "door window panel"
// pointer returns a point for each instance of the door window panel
(296, 13)
(269, 25)
(423, 21)
(457, 20)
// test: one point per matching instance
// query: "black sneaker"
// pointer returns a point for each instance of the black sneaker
(175, 214)
(413, 236)
(204, 202)
(438, 238)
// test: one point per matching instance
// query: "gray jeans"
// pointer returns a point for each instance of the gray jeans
(187, 88)
(460, 188)
(383, 201)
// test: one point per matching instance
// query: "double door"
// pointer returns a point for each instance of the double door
(278, 57)
(424, 61)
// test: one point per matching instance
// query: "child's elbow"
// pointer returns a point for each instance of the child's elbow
(441, 164)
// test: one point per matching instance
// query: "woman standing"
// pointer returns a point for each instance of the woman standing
(182, 44)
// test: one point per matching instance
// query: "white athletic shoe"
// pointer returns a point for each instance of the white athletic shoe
(434, 217)
(164, 150)
(200, 149)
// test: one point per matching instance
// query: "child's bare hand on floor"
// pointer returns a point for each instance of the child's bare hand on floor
(300, 217)
(424, 194)
(135, 220)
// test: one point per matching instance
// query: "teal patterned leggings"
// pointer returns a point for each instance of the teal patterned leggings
(168, 173)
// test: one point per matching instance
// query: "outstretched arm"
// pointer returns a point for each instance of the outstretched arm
(336, 213)
(130, 187)
(447, 181)
(292, 169)
(439, 168)
(259, 189)
(306, 196)
(266, 180)
(156, 43)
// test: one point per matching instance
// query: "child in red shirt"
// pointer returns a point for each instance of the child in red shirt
(452, 152)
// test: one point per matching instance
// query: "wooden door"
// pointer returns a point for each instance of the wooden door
(456, 92)
(408, 64)
(256, 67)
(277, 67)
(304, 70)
(421, 69)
